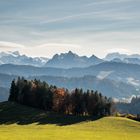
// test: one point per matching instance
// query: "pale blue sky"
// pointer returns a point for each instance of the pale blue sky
(46, 27)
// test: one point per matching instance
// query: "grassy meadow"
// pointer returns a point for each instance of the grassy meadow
(19, 122)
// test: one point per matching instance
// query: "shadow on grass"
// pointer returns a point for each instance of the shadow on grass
(11, 113)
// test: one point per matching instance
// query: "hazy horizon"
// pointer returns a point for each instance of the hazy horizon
(86, 27)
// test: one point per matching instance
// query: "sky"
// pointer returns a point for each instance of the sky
(86, 27)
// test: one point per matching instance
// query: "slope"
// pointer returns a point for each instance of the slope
(41, 126)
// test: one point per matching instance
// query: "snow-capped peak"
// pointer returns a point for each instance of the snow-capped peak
(18, 59)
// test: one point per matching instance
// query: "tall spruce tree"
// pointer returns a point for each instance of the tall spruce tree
(13, 93)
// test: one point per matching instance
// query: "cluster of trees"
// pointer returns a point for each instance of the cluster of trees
(50, 98)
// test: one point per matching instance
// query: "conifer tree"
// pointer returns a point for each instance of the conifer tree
(13, 93)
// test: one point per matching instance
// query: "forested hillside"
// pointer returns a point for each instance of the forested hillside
(50, 98)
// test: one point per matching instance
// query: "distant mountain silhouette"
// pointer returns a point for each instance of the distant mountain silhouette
(124, 58)
(18, 59)
(65, 60)
(70, 60)
(115, 55)
(129, 73)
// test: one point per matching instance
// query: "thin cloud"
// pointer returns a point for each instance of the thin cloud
(106, 2)
(4, 44)
(69, 17)
(104, 14)
(59, 45)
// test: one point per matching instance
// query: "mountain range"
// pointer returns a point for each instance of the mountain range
(128, 73)
(65, 60)
(70, 60)
(112, 56)
(113, 79)
(116, 76)
(123, 58)
(18, 59)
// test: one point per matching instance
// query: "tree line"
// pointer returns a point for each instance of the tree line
(51, 98)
